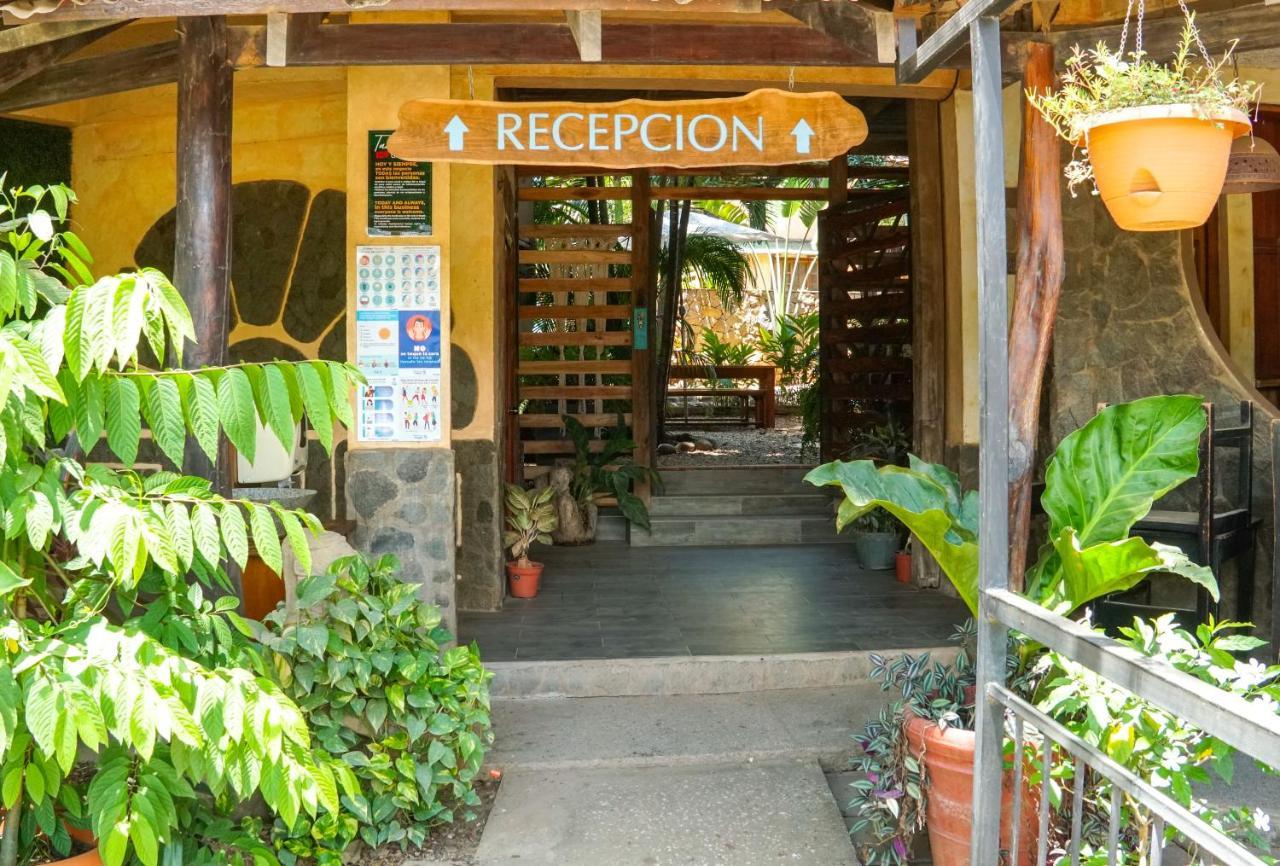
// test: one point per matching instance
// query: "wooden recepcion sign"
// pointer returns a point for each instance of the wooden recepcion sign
(766, 127)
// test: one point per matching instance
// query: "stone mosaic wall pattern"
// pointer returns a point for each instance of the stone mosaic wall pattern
(1130, 326)
(288, 283)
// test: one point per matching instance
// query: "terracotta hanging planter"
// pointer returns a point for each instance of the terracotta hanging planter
(947, 754)
(1161, 167)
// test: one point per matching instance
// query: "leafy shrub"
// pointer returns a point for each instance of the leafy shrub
(1155, 744)
(363, 657)
(609, 471)
(108, 645)
(721, 353)
(792, 346)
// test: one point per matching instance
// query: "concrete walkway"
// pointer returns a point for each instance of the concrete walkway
(674, 780)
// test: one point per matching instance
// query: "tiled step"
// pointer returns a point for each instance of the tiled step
(736, 481)
(735, 530)
(777, 504)
(688, 675)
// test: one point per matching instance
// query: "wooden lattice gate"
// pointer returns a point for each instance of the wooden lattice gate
(581, 290)
(864, 287)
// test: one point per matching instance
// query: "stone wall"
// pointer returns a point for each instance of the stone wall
(480, 558)
(404, 502)
(1130, 326)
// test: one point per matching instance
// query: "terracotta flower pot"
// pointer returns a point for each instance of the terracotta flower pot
(524, 579)
(947, 755)
(1161, 167)
(84, 838)
(902, 567)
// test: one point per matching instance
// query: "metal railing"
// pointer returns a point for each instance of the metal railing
(1251, 729)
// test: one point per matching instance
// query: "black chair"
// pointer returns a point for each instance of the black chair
(1219, 528)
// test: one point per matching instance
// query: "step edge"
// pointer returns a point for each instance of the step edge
(675, 675)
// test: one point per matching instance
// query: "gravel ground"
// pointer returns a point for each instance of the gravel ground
(745, 446)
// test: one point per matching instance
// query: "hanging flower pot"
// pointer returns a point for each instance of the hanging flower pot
(1161, 167)
(1154, 139)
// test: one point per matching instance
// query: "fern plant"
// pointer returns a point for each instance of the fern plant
(110, 641)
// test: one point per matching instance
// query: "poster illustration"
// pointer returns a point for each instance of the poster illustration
(419, 339)
(398, 343)
(399, 192)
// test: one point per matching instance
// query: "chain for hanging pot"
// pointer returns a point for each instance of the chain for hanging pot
(1137, 37)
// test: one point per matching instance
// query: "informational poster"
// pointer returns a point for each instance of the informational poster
(398, 341)
(399, 192)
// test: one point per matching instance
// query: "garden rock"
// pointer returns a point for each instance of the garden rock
(666, 448)
(686, 447)
(704, 445)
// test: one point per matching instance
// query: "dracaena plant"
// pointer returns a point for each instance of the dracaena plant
(113, 642)
(1101, 480)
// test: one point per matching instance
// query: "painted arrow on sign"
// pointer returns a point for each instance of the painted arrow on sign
(457, 132)
(767, 127)
(803, 134)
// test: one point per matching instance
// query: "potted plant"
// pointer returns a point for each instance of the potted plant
(531, 517)
(596, 475)
(1155, 138)
(902, 563)
(1148, 447)
(917, 764)
(877, 538)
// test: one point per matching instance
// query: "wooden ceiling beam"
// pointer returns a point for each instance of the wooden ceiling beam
(102, 9)
(131, 69)
(23, 64)
(43, 32)
(658, 44)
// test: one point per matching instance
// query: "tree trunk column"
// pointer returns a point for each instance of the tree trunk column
(1037, 287)
(202, 263)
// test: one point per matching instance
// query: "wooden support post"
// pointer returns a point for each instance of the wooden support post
(928, 302)
(585, 25)
(1037, 287)
(201, 268)
(642, 381)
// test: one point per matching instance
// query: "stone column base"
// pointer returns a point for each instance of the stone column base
(403, 501)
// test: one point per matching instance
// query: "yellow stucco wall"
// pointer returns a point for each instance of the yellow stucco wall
(285, 126)
(374, 97)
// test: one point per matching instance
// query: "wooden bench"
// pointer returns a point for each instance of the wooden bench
(762, 397)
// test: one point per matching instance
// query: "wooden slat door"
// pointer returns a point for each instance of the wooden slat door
(864, 302)
(1266, 273)
(580, 279)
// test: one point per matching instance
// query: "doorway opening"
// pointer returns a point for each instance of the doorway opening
(736, 327)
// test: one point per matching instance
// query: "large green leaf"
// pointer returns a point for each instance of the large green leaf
(1105, 476)
(927, 502)
(1115, 566)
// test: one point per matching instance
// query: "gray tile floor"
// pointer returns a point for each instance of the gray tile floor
(610, 600)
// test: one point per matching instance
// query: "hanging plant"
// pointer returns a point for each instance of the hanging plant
(1153, 138)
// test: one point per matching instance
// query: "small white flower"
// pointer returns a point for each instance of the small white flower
(41, 225)
(1261, 821)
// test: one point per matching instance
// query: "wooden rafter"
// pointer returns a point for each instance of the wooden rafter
(131, 69)
(105, 9)
(36, 56)
(622, 43)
